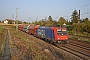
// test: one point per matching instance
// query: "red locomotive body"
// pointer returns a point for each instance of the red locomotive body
(60, 35)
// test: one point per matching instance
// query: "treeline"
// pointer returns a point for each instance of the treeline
(75, 25)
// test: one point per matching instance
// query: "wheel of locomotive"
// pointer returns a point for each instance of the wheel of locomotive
(67, 42)
(51, 42)
(45, 39)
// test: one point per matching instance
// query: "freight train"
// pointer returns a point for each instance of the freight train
(57, 35)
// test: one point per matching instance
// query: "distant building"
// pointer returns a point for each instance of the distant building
(6, 21)
(13, 21)
(9, 21)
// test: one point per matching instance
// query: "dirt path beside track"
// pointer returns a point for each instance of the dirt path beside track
(6, 54)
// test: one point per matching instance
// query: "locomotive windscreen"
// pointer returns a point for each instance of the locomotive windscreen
(61, 32)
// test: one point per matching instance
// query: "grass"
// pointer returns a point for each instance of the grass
(2, 40)
(79, 38)
(25, 48)
(2, 27)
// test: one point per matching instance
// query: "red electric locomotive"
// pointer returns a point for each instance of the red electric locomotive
(61, 35)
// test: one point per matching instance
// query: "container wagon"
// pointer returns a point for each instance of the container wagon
(40, 32)
(26, 28)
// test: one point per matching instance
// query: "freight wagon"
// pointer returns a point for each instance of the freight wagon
(40, 32)
(51, 34)
(32, 29)
(21, 27)
(26, 28)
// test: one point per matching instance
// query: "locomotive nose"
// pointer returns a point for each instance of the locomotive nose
(62, 37)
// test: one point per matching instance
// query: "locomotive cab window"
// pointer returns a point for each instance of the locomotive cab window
(61, 32)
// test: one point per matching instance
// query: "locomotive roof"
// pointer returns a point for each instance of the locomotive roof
(33, 26)
(46, 27)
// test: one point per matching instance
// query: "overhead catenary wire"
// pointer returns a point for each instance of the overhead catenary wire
(67, 16)
(75, 8)
(87, 9)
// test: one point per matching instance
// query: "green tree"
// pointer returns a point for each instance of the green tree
(24, 22)
(82, 26)
(86, 23)
(86, 20)
(9, 21)
(61, 21)
(36, 22)
(19, 22)
(50, 18)
(88, 27)
(75, 28)
(54, 23)
(74, 17)
(50, 21)
(41, 22)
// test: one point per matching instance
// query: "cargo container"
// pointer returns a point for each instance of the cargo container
(40, 32)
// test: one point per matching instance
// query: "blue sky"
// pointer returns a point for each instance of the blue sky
(43, 8)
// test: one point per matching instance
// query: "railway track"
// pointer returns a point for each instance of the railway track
(67, 48)
(56, 54)
(80, 46)
(82, 54)
(46, 45)
(83, 57)
(80, 42)
(78, 50)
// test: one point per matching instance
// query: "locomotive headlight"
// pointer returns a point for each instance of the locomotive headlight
(66, 38)
(58, 38)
